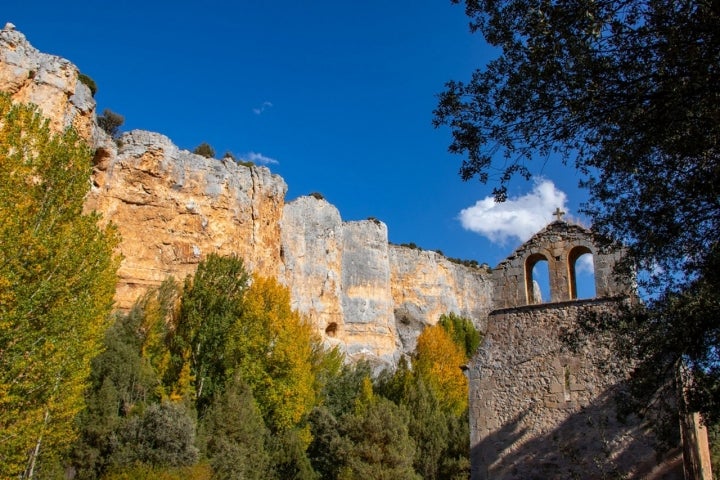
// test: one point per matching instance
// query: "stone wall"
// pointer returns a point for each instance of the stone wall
(540, 410)
(172, 208)
(560, 244)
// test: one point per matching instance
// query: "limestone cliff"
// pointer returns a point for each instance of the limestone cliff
(426, 285)
(172, 208)
(363, 294)
(50, 82)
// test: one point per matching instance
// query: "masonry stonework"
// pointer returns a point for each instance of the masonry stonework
(539, 409)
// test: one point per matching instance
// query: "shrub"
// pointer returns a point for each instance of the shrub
(87, 81)
(317, 195)
(111, 122)
(462, 331)
(205, 150)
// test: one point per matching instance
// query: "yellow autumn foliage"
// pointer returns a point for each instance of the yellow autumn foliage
(438, 361)
(57, 280)
(271, 346)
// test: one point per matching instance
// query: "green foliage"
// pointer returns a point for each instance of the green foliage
(628, 92)
(110, 122)
(462, 331)
(200, 471)
(471, 264)
(377, 443)
(162, 436)
(57, 280)
(340, 396)
(467, 263)
(281, 406)
(234, 435)
(125, 381)
(289, 460)
(441, 436)
(230, 156)
(211, 304)
(88, 82)
(325, 448)
(271, 347)
(205, 150)
(714, 440)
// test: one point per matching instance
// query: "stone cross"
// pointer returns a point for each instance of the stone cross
(558, 213)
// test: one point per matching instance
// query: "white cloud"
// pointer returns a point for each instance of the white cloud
(585, 264)
(258, 158)
(259, 110)
(518, 217)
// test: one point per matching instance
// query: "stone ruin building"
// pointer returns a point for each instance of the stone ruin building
(538, 409)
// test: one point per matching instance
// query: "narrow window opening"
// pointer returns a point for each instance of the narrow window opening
(582, 273)
(537, 275)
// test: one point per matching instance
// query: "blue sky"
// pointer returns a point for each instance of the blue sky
(337, 96)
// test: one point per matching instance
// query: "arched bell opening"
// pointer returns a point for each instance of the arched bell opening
(581, 273)
(537, 279)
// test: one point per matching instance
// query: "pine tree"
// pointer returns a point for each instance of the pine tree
(57, 280)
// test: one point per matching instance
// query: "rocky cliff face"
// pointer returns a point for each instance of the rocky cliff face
(50, 82)
(172, 208)
(426, 285)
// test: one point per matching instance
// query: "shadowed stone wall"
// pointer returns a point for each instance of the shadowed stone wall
(538, 409)
(542, 411)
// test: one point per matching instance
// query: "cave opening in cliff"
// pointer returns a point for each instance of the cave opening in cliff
(331, 329)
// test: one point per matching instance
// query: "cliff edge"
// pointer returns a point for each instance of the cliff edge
(173, 207)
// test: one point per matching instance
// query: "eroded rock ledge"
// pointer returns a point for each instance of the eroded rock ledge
(173, 207)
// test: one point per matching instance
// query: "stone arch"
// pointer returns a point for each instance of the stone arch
(574, 254)
(530, 262)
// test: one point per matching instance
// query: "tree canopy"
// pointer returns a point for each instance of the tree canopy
(627, 91)
(57, 280)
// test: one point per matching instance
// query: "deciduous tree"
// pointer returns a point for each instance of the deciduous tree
(57, 280)
(627, 91)
(462, 331)
(438, 361)
(234, 434)
(212, 302)
(271, 348)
